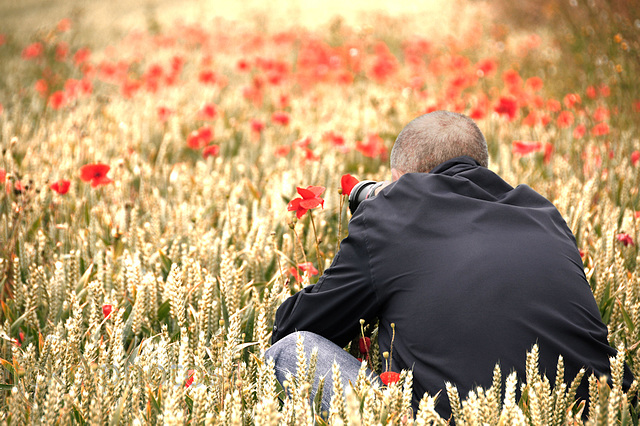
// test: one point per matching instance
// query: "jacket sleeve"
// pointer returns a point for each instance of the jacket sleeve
(343, 295)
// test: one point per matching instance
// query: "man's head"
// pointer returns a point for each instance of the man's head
(434, 138)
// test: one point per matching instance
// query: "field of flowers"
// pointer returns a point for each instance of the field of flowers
(149, 227)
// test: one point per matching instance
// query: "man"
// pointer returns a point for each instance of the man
(471, 271)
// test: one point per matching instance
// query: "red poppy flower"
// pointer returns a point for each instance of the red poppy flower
(373, 147)
(282, 150)
(189, 381)
(336, 139)
(310, 199)
(304, 142)
(3, 175)
(208, 112)
(635, 157)
(364, 343)
(565, 119)
(41, 87)
(512, 78)
(96, 174)
(548, 150)
(310, 155)
(600, 129)
(207, 77)
(17, 187)
(257, 126)
(130, 87)
(193, 140)
(283, 101)
(33, 50)
(20, 339)
(294, 271)
(625, 239)
(507, 105)
(531, 119)
(72, 87)
(61, 186)
(347, 182)
(524, 148)
(81, 55)
(106, 310)
(308, 267)
(211, 151)
(601, 114)
(86, 86)
(200, 138)
(487, 66)
(535, 84)
(553, 105)
(62, 50)
(164, 113)
(58, 99)
(579, 131)
(243, 65)
(571, 99)
(389, 377)
(64, 25)
(384, 65)
(280, 117)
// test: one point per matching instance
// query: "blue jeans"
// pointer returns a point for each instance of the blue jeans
(285, 358)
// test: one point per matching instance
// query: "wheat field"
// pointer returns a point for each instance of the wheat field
(150, 150)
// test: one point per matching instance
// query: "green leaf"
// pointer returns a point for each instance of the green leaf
(626, 317)
(18, 322)
(606, 310)
(117, 414)
(34, 227)
(164, 310)
(223, 307)
(6, 364)
(166, 264)
(83, 282)
(154, 402)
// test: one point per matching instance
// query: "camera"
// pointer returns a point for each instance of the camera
(364, 190)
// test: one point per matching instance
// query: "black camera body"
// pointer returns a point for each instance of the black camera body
(362, 191)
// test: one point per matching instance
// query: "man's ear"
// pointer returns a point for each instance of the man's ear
(395, 174)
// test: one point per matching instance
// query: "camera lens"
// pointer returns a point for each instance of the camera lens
(362, 191)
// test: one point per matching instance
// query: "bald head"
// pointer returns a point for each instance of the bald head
(434, 138)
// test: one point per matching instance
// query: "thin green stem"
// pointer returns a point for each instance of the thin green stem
(315, 234)
(340, 223)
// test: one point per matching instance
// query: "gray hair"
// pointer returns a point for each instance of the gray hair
(436, 137)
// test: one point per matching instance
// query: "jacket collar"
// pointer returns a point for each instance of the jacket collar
(456, 165)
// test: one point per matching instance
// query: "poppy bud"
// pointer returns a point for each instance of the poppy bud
(106, 310)
(189, 380)
(364, 343)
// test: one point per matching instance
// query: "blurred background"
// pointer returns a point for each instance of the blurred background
(108, 19)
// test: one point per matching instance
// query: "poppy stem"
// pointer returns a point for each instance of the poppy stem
(315, 234)
(304, 255)
(340, 223)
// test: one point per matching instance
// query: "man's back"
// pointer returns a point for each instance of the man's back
(474, 272)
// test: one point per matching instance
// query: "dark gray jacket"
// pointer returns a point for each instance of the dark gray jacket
(472, 271)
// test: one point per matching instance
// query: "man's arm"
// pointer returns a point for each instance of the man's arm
(334, 306)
